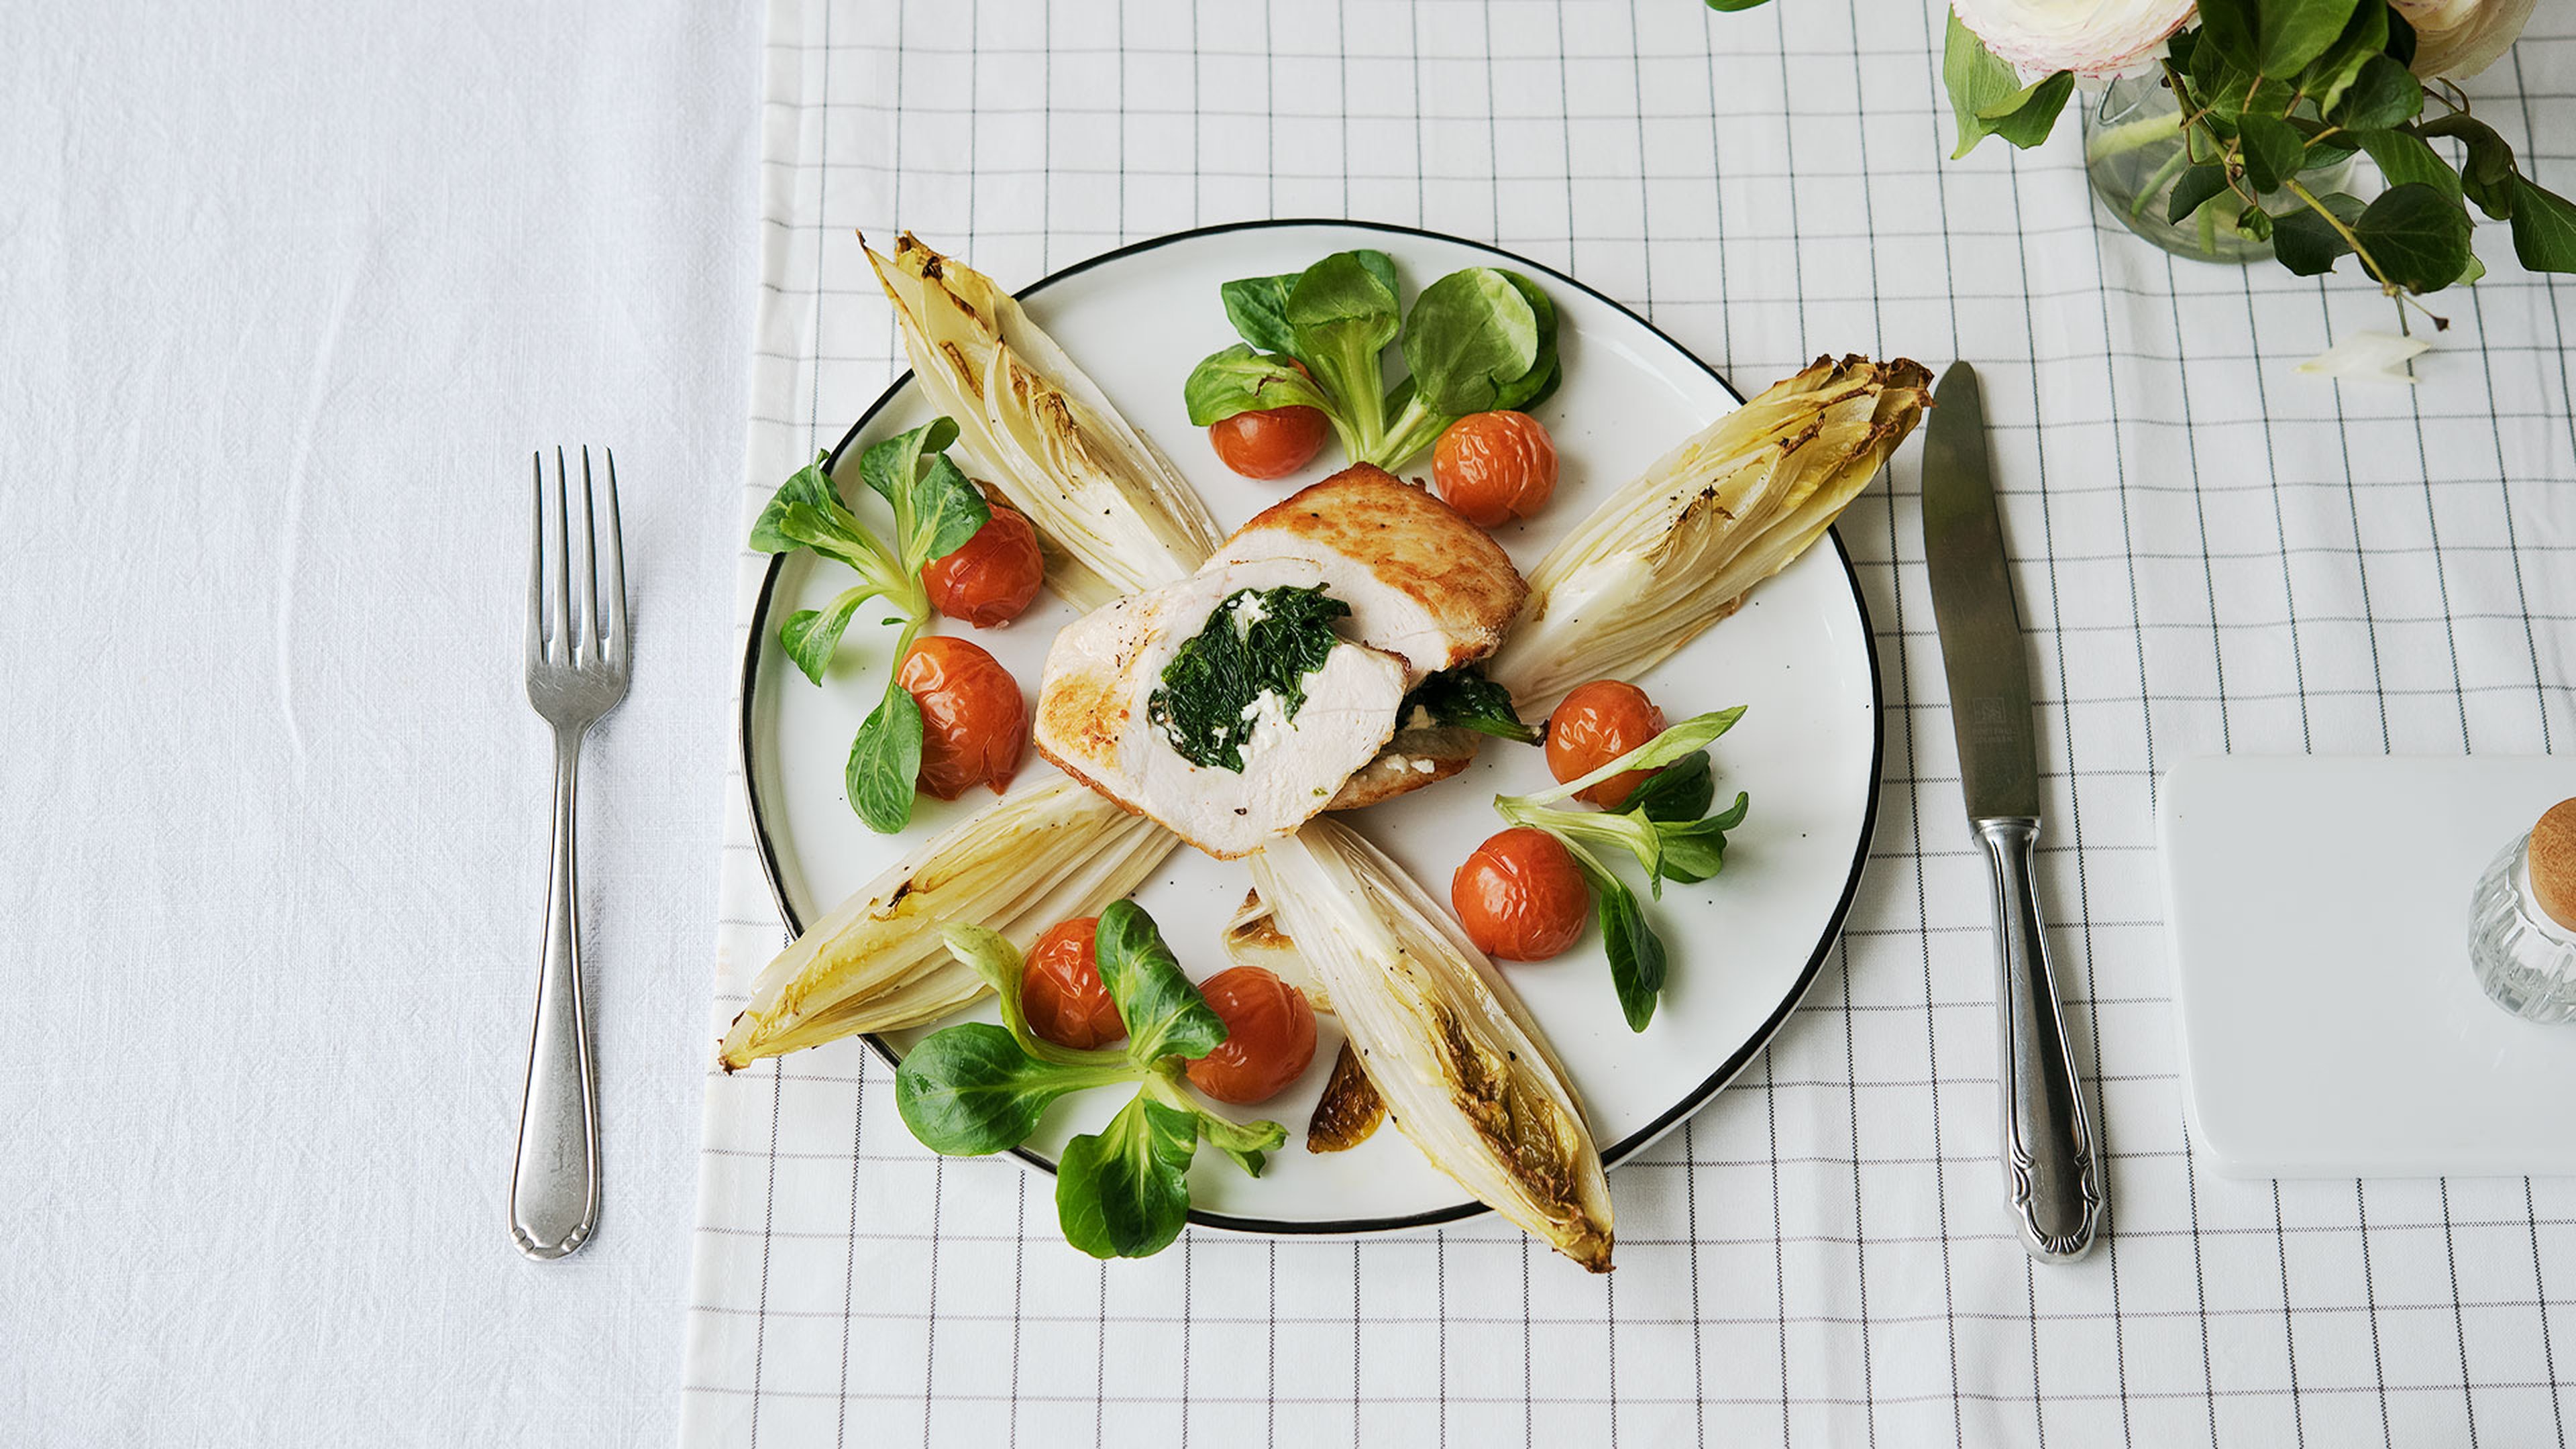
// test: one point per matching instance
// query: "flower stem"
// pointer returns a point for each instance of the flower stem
(2132, 136)
(2332, 220)
(2164, 174)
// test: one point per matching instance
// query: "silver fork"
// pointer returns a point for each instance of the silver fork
(577, 658)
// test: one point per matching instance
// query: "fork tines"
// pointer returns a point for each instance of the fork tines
(576, 582)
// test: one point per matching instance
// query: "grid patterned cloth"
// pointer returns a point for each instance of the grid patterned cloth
(2214, 553)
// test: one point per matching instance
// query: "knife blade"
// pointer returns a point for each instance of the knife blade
(2050, 1162)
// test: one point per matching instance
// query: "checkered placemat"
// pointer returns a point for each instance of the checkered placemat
(2214, 552)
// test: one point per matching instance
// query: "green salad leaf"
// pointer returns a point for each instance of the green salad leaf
(1664, 825)
(1164, 1014)
(971, 1090)
(810, 635)
(1122, 1192)
(1477, 340)
(885, 761)
(1470, 335)
(936, 510)
(1240, 380)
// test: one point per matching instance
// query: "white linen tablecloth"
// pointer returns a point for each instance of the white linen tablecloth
(2214, 553)
(288, 293)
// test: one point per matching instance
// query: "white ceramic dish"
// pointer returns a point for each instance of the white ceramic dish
(1744, 947)
(2317, 910)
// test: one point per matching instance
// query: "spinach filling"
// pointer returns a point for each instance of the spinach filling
(1257, 642)
(1464, 697)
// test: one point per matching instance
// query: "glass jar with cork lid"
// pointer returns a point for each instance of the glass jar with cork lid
(2522, 921)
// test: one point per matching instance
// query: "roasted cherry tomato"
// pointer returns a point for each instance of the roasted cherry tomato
(1270, 1036)
(1271, 444)
(973, 721)
(992, 576)
(1520, 896)
(1495, 467)
(1061, 991)
(1598, 723)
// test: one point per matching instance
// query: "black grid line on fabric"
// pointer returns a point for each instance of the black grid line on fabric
(2030, 325)
(2370, 1291)
(1603, 1401)
(2540, 1292)
(2512, 536)
(2218, 673)
(2109, 1227)
(1912, 765)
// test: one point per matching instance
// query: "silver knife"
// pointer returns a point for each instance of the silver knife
(2051, 1166)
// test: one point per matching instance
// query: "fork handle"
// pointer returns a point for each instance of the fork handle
(554, 1191)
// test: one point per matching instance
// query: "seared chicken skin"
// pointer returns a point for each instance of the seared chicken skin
(1421, 580)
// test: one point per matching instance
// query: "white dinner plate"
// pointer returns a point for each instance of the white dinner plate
(1744, 946)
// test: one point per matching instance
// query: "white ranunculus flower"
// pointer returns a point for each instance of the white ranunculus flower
(2088, 37)
(2462, 37)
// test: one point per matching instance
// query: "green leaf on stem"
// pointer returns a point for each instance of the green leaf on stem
(2331, 74)
(1678, 791)
(2287, 34)
(890, 466)
(2418, 237)
(812, 488)
(2227, 37)
(1697, 851)
(2544, 229)
(1164, 1014)
(2487, 174)
(1379, 265)
(1240, 380)
(2403, 158)
(2272, 150)
(2401, 37)
(1696, 733)
(2383, 94)
(1636, 953)
(946, 511)
(1121, 1194)
(885, 762)
(2193, 189)
(1258, 308)
(1469, 335)
(1342, 313)
(1243, 1143)
(1533, 386)
(810, 635)
(1988, 98)
(2307, 243)
(969, 1090)
(1731, 6)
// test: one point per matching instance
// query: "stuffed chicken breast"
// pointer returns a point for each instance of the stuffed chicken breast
(1226, 706)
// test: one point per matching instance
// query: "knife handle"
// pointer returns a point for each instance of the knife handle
(2048, 1149)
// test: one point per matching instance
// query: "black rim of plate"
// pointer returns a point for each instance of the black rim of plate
(1635, 1141)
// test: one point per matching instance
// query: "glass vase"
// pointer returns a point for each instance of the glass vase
(2134, 152)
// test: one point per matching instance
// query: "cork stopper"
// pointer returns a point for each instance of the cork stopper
(2552, 858)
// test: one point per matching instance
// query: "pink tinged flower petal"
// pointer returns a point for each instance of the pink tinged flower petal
(2088, 37)
(2462, 37)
